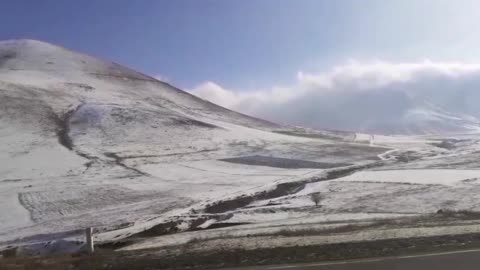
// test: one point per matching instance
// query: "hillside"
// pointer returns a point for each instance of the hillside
(86, 142)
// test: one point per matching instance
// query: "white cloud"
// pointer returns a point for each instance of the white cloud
(353, 95)
(161, 78)
(216, 94)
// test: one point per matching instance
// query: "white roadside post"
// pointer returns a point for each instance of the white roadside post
(89, 237)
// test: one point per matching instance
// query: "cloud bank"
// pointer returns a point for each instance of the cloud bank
(374, 96)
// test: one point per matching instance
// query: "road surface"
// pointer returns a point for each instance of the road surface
(456, 260)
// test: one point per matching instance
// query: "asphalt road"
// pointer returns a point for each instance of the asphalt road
(456, 260)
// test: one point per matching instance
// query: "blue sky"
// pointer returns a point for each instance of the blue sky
(248, 44)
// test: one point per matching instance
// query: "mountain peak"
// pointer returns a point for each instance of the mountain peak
(19, 45)
(28, 55)
(24, 41)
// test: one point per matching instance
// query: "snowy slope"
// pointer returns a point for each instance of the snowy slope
(89, 143)
(86, 142)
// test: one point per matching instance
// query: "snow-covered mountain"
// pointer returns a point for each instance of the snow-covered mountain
(89, 143)
(383, 111)
(402, 112)
(88, 102)
(85, 142)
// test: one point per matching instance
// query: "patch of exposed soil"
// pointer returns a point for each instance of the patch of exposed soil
(63, 128)
(192, 122)
(119, 161)
(285, 163)
(170, 227)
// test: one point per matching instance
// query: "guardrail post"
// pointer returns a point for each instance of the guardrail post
(89, 238)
